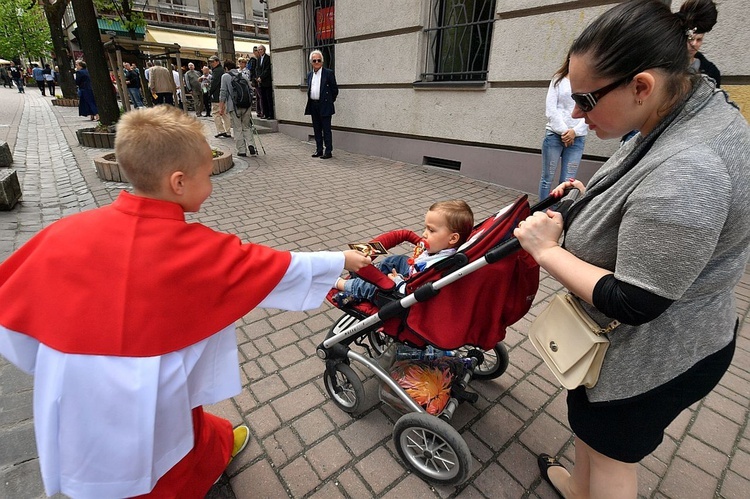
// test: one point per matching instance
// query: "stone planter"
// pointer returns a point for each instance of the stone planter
(65, 102)
(108, 169)
(223, 162)
(89, 137)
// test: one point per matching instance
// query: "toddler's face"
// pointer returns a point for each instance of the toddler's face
(437, 233)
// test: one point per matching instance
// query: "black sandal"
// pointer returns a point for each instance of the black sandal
(545, 462)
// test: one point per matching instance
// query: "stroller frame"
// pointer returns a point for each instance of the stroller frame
(429, 445)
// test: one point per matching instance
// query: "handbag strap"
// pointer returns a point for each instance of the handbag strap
(595, 328)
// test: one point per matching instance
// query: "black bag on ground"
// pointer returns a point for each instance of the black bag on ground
(242, 96)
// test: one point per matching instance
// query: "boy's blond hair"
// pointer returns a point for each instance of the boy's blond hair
(458, 215)
(152, 143)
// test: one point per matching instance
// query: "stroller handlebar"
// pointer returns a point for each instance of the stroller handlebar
(512, 245)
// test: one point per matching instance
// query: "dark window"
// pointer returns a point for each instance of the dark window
(320, 33)
(459, 35)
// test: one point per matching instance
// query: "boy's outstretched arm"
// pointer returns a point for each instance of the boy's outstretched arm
(355, 260)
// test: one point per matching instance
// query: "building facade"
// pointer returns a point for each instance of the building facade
(189, 23)
(457, 84)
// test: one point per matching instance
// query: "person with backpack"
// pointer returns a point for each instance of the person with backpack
(236, 99)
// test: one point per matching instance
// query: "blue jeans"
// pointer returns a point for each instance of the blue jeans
(554, 152)
(135, 96)
(364, 290)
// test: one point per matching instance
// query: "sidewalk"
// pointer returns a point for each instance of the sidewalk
(303, 445)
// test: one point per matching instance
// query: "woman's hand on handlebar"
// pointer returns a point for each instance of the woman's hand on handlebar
(540, 232)
(355, 260)
(559, 191)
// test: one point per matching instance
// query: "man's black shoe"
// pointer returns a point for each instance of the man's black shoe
(242, 154)
(219, 135)
(253, 152)
(326, 156)
(317, 155)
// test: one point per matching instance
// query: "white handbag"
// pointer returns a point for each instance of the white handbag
(570, 342)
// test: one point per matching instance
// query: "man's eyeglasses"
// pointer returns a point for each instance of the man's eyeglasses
(588, 100)
(317, 60)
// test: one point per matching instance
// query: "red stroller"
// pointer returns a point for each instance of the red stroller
(462, 304)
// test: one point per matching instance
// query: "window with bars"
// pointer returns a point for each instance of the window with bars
(459, 37)
(320, 33)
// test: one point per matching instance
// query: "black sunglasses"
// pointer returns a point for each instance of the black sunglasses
(317, 60)
(588, 100)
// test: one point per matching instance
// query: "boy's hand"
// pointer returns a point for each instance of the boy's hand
(355, 260)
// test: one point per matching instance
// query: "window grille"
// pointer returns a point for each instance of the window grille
(320, 33)
(459, 37)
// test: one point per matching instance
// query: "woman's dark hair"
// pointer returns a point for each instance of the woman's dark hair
(229, 65)
(638, 35)
(698, 15)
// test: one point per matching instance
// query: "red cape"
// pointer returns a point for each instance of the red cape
(133, 279)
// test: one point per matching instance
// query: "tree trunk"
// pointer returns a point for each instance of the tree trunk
(224, 33)
(54, 14)
(96, 61)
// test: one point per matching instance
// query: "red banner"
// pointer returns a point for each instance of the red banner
(324, 24)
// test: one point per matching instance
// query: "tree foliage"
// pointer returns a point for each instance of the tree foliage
(23, 30)
(123, 9)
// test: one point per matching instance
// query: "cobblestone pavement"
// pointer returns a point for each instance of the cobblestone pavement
(303, 445)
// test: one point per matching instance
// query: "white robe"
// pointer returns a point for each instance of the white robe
(129, 418)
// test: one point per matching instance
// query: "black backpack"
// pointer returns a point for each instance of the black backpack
(241, 93)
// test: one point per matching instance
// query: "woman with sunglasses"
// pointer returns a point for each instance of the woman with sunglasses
(658, 241)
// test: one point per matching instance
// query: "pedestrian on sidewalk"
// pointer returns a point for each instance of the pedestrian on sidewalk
(86, 102)
(205, 81)
(658, 241)
(193, 85)
(118, 402)
(16, 73)
(161, 83)
(38, 74)
(49, 79)
(133, 84)
(240, 113)
(222, 121)
(322, 91)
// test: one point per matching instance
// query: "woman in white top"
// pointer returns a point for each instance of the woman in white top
(564, 138)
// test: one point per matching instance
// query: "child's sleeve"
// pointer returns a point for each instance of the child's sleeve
(308, 279)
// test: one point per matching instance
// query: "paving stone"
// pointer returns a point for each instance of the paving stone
(715, 429)
(686, 480)
(258, 480)
(328, 457)
(313, 426)
(380, 469)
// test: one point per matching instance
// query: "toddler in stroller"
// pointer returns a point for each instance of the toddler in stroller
(461, 304)
(447, 225)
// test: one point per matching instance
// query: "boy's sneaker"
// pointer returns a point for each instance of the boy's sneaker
(342, 299)
(241, 439)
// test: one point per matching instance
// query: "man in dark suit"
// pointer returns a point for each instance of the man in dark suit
(322, 91)
(265, 82)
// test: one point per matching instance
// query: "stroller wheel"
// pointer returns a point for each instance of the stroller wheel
(344, 387)
(432, 448)
(495, 362)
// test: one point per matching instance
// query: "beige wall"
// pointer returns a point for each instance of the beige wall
(380, 52)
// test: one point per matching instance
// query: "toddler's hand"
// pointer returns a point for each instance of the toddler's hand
(395, 276)
(355, 260)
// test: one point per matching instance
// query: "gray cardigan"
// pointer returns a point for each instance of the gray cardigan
(677, 223)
